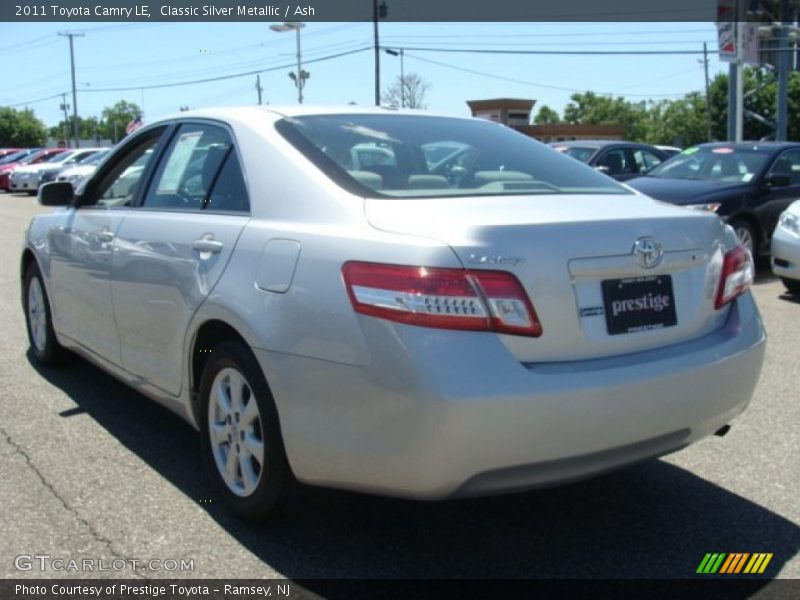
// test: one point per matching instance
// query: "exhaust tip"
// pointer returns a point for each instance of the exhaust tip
(722, 430)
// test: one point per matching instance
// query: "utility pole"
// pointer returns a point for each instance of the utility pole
(782, 112)
(64, 130)
(377, 53)
(71, 35)
(708, 95)
(378, 12)
(258, 88)
(740, 11)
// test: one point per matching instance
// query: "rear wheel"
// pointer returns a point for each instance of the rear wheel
(38, 319)
(242, 442)
(792, 285)
(747, 235)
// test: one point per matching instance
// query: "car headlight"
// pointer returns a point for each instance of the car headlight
(708, 206)
(790, 222)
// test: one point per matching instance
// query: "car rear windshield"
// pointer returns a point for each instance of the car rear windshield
(718, 163)
(417, 156)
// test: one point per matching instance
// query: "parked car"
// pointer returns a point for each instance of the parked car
(29, 159)
(17, 156)
(618, 159)
(669, 150)
(786, 248)
(27, 178)
(77, 174)
(747, 184)
(498, 318)
(4, 152)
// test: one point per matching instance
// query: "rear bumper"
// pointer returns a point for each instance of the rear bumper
(439, 414)
(785, 254)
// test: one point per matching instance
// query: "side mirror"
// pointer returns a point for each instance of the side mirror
(777, 180)
(56, 193)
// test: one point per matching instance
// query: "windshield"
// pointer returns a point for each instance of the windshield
(13, 157)
(718, 163)
(583, 154)
(94, 159)
(413, 156)
(57, 157)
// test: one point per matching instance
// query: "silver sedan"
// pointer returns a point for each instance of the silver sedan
(392, 302)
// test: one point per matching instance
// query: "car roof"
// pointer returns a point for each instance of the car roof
(770, 146)
(298, 110)
(596, 143)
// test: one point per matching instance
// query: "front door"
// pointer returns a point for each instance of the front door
(82, 250)
(172, 249)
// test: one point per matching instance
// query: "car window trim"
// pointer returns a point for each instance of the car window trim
(117, 156)
(176, 125)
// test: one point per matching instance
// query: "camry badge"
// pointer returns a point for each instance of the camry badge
(647, 252)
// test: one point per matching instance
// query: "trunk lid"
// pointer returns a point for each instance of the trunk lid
(563, 247)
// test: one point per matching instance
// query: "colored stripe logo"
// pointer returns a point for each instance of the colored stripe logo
(734, 563)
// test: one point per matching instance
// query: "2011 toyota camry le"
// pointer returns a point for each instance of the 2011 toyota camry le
(392, 302)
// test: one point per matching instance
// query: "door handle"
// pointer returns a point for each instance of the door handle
(212, 246)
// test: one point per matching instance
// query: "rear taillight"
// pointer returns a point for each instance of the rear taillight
(737, 275)
(442, 298)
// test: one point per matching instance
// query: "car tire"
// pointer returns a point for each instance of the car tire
(241, 437)
(747, 235)
(792, 285)
(38, 319)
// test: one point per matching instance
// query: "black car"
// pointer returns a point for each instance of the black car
(748, 184)
(618, 159)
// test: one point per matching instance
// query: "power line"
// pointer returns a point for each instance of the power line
(35, 101)
(530, 83)
(223, 77)
(545, 35)
(557, 52)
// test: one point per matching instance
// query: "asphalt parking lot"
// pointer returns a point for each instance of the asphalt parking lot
(88, 468)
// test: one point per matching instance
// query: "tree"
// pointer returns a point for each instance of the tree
(408, 91)
(546, 116)
(89, 128)
(116, 118)
(760, 90)
(590, 109)
(21, 128)
(677, 122)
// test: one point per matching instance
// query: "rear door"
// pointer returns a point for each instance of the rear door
(172, 249)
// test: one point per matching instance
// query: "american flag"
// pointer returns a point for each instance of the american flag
(134, 124)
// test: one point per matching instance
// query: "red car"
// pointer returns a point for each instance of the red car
(40, 156)
(8, 151)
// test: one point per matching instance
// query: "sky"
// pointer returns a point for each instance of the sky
(36, 65)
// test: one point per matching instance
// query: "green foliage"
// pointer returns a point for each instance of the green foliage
(684, 122)
(88, 129)
(116, 118)
(546, 116)
(20, 128)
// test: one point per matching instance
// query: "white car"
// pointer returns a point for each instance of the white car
(80, 172)
(785, 250)
(498, 318)
(27, 178)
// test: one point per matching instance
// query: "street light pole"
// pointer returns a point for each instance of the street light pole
(71, 35)
(402, 75)
(300, 77)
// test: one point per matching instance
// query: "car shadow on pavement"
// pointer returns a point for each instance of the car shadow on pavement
(654, 520)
